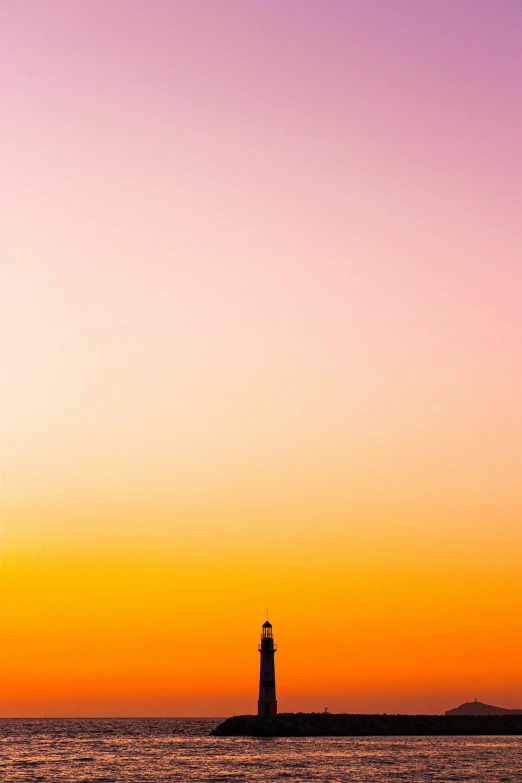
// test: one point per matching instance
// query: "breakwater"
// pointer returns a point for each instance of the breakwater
(319, 724)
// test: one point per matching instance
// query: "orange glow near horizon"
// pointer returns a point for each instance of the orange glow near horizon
(173, 632)
(261, 321)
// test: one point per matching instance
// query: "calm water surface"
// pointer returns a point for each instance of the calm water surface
(138, 751)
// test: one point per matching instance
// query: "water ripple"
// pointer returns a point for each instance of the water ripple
(170, 750)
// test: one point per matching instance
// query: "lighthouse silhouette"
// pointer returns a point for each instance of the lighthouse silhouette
(267, 704)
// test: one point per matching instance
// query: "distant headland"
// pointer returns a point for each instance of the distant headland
(479, 708)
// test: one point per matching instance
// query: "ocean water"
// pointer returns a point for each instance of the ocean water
(138, 751)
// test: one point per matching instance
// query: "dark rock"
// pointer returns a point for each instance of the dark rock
(316, 724)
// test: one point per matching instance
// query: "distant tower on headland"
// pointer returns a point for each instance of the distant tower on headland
(267, 704)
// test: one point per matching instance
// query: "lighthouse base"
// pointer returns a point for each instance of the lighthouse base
(266, 708)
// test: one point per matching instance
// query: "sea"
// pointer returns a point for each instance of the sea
(179, 749)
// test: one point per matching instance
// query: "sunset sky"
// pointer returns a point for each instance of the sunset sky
(261, 346)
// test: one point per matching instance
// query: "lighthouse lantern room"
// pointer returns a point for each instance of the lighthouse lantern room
(267, 704)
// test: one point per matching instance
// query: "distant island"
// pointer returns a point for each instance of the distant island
(323, 724)
(479, 708)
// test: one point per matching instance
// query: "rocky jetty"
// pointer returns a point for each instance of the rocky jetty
(317, 724)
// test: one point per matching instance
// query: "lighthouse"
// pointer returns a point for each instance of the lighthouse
(267, 704)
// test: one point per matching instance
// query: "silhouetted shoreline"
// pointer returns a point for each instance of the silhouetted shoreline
(325, 724)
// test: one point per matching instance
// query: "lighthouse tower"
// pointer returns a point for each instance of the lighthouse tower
(267, 704)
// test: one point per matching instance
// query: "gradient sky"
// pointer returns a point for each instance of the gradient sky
(261, 318)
